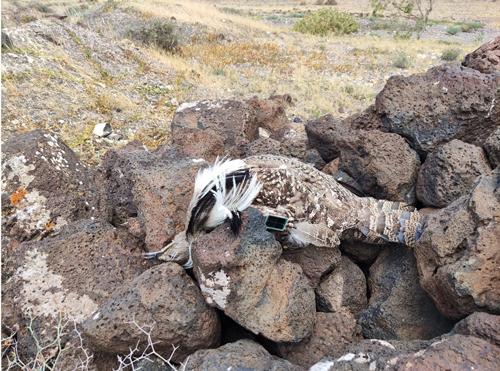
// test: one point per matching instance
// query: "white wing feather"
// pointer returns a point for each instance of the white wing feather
(238, 198)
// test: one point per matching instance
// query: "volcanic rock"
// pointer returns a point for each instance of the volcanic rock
(164, 301)
(344, 288)
(399, 308)
(331, 335)
(446, 102)
(383, 164)
(208, 129)
(492, 147)
(44, 186)
(314, 261)
(245, 278)
(457, 255)
(149, 192)
(486, 58)
(450, 172)
(241, 355)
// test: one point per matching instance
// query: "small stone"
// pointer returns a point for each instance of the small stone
(102, 130)
(263, 133)
(115, 136)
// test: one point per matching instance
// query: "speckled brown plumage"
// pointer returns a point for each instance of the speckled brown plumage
(305, 194)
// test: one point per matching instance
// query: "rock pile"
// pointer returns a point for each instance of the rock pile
(73, 239)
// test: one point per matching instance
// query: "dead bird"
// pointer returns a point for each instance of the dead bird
(300, 202)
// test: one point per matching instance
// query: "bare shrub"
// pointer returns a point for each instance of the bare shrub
(418, 10)
(149, 354)
(49, 353)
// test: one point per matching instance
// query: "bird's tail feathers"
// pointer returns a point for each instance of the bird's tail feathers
(391, 222)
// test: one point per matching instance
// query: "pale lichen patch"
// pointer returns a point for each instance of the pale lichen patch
(185, 106)
(322, 366)
(18, 168)
(42, 292)
(383, 343)
(216, 287)
(31, 213)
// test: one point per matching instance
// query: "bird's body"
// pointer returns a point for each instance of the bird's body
(319, 210)
(306, 195)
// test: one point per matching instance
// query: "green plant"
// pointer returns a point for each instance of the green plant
(471, 26)
(403, 35)
(464, 27)
(158, 33)
(378, 6)
(229, 10)
(219, 71)
(327, 21)
(42, 8)
(453, 30)
(402, 60)
(450, 54)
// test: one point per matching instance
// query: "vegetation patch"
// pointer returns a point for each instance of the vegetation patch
(453, 30)
(471, 26)
(224, 54)
(402, 60)
(327, 21)
(464, 27)
(158, 33)
(450, 54)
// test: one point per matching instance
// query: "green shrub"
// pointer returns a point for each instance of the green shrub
(464, 27)
(450, 54)
(402, 60)
(390, 24)
(158, 33)
(327, 21)
(453, 30)
(403, 35)
(471, 26)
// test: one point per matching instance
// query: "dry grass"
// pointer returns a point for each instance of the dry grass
(205, 13)
(487, 11)
(333, 74)
(313, 69)
(235, 53)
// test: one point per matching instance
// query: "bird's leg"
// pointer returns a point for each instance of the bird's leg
(189, 263)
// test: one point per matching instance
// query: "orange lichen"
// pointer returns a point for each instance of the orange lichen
(18, 195)
(50, 226)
